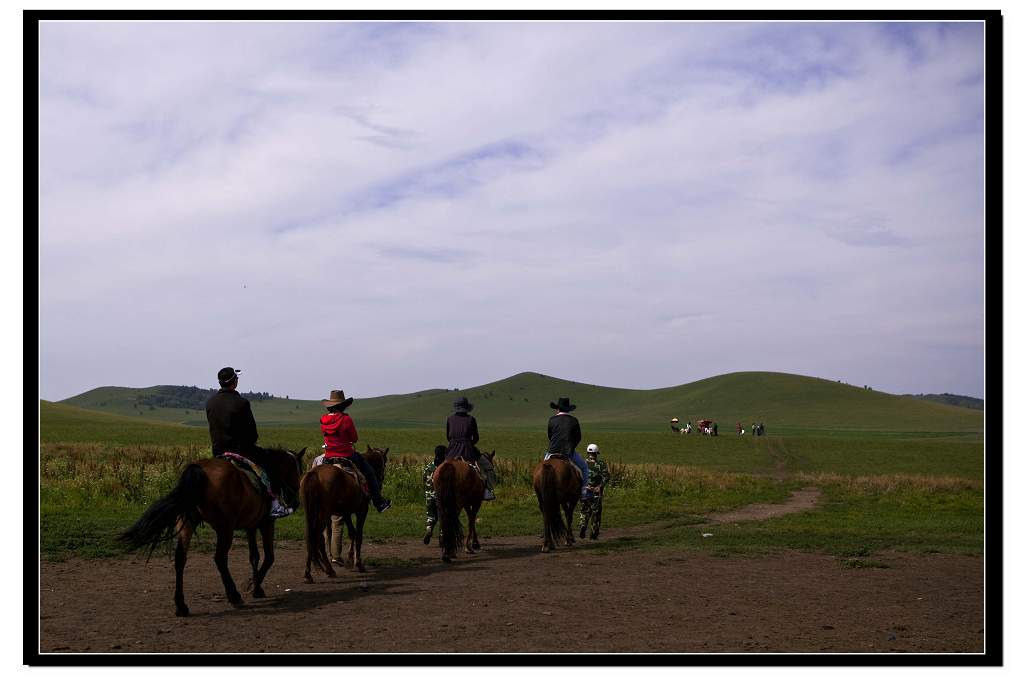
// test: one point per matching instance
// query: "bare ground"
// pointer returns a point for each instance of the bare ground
(511, 598)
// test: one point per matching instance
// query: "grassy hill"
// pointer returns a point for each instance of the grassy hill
(785, 402)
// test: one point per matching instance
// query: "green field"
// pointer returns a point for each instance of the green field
(785, 402)
(895, 473)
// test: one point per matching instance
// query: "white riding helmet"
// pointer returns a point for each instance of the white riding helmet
(592, 449)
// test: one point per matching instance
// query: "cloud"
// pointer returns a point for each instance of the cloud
(664, 200)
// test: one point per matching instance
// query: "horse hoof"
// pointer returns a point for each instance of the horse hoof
(426, 538)
(182, 611)
(236, 599)
(259, 593)
(360, 569)
(545, 550)
(476, 545)
(331, 573)
(446, 560)
(308, 580)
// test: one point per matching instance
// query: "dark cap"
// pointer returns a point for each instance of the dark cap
(227, 374)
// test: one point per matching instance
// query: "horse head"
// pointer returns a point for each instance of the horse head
(377, 458)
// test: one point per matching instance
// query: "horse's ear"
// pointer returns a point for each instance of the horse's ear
(301, 452)
(386, 450)
(368, 447)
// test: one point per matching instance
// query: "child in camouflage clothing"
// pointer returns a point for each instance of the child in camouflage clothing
(590, 509)
(428, 491)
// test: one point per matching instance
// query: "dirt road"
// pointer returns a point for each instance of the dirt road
(511, 598)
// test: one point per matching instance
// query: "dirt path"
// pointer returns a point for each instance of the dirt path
(511, 598)
(800, 500)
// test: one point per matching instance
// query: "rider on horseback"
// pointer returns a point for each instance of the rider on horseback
(340, 436)
(462, 438)
(563, 436)
(233, 429)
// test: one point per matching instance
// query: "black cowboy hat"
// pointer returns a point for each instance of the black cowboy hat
(462, 404)
(227, 374)
(563, 405)
(337, 398)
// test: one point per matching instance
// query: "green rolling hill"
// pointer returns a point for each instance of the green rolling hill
(782, 401)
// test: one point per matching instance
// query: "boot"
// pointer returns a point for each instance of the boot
(383, 505)
(278, 510)
(583, 532)
(488, 495)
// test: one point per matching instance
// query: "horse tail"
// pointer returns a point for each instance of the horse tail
(452, 536)
(309, 494)
(160, 522)
(549, 503)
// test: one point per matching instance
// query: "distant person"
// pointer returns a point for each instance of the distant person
(462, 436)
(739, 428)
(564, 435)
(339, 439)
(428, 491)
(233, 431)
(689, 427)
(714, 429)
(593, 493)
(674, 425)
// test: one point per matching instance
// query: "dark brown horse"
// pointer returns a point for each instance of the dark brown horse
(218, 493)
(330, 495)
(557, 484)
(457, 486)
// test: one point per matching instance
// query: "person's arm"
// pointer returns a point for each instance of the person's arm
(448, 429)
(474, 434)
(549, 430)
(577, 435)
(249, 423)
(348, 429)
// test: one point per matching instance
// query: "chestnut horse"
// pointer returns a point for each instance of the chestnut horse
(557, 484)
(330, 494)
(216, 492)
(457, 486)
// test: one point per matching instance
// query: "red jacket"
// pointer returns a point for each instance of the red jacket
(339, 434)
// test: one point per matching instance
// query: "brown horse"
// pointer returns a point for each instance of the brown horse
(218, 493)
(457, 486)
(329, 495)
(557, 484)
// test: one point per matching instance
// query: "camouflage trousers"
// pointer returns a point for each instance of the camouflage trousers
(431, 509)
(590, 516)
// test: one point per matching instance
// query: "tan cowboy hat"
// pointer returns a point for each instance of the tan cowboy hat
(337, 397)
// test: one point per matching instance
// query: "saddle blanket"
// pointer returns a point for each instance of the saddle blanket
(256, 475)
(549, 455)
(345, 465)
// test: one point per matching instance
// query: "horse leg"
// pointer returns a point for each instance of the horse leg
(220, 558)
(568, 508)
(360, 520)
(254, 558)
(180, 556)
(267, 533)
(470, 534)
(350, 527)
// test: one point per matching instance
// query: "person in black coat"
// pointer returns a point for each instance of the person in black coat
(564, 435)
(233, 429)
(463, 435)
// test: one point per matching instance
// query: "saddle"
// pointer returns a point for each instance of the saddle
(475, 466)
(257, 476)
(346, 466)
(564, 458)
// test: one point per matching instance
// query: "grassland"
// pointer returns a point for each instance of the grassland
(894, 472)
(785, 402)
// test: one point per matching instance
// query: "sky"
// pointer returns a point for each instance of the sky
(389, 207)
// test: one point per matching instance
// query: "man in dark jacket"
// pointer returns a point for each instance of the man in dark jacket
(233, 429)
(463, 435)
(564, 435)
